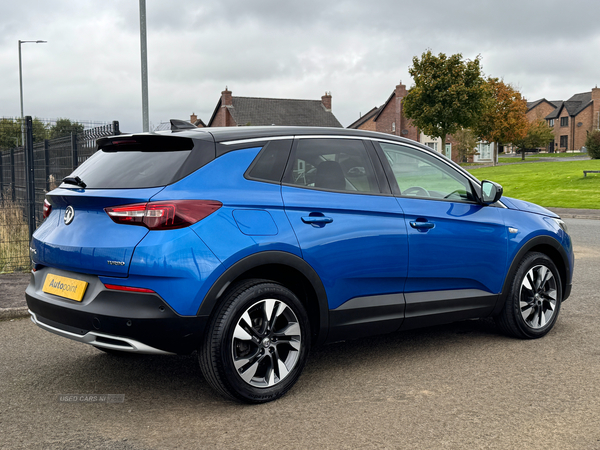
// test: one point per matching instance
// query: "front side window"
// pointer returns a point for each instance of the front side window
(332, 164)
(564, 121)
(421, 175)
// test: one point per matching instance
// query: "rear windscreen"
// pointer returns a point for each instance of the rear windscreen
(130, 169)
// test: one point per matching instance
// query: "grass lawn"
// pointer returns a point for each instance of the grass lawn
(550, 184)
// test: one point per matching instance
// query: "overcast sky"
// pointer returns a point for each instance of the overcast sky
(359, 50)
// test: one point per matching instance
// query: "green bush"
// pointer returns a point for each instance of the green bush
(592, 143)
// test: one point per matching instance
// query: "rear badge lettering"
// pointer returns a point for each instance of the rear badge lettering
(69, 215)
(116, 263)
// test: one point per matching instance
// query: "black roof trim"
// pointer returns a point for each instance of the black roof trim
(224, 134)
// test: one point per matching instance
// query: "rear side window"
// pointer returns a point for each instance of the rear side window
(270, 162)
(332, 164)
(130, 169)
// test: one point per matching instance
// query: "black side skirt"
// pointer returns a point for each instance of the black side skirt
(380, 314)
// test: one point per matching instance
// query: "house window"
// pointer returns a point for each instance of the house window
(550, 122)
(393, 127)
(564, 140)
(564, 122)
(432, 145)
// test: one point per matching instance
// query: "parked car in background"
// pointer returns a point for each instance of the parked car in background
(250, 245)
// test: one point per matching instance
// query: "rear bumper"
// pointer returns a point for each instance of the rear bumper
(99, 339)
(126, 321)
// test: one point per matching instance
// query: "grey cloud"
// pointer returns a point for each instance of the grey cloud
(358, 50)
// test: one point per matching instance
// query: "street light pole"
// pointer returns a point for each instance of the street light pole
(21, 87)
(144, 56)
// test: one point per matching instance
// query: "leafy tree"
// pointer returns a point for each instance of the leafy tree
(538, 134)
(448, 94)
(10, 132)
(40, 130)
(592, 143)
(466, 144)
(504, 118)
(65, 127)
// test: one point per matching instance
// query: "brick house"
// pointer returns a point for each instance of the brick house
(571, 120)
(241, 111)
(195, 121)
(389, 117)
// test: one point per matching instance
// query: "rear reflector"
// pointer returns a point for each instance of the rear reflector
(114, 287)
(163, 215)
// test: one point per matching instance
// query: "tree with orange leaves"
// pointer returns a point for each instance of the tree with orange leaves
(504, 119)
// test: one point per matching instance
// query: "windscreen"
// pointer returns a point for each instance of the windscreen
(130, 169)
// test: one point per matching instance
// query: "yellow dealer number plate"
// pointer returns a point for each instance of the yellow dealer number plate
(65, 287)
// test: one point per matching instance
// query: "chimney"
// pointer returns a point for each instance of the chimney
(326, 100)
(226, 99)
(596, 107)
(401, 91)
(193, 119)
(399, 124)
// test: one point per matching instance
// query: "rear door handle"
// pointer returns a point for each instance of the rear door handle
(422, 225)
(317, 219)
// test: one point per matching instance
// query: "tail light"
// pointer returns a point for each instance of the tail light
(47, 208)
(163, 215)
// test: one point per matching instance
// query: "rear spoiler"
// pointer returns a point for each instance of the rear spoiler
(145, 142)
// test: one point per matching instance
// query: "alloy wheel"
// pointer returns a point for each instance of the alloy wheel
(266, 343)
(538, 297)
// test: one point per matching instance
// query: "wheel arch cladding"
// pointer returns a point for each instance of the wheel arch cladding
(548, 246)
(285, 268)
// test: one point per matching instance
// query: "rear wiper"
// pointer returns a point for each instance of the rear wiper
(74, 180)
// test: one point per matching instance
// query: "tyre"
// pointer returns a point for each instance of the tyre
(534, 300)
(256, 343)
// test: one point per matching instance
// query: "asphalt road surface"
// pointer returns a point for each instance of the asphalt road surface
(460, 386)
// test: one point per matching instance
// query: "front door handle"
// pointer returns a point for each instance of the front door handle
(422, 225)
(317, 221)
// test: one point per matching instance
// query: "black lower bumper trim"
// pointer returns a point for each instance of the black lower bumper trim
(141, 317)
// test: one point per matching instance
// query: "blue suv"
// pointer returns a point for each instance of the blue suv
(250, 245)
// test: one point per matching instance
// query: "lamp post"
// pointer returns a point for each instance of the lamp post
(144, 56)
(21, 86)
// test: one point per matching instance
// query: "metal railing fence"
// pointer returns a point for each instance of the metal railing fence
(26, 175)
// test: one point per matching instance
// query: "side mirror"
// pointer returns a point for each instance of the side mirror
(490, 192)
